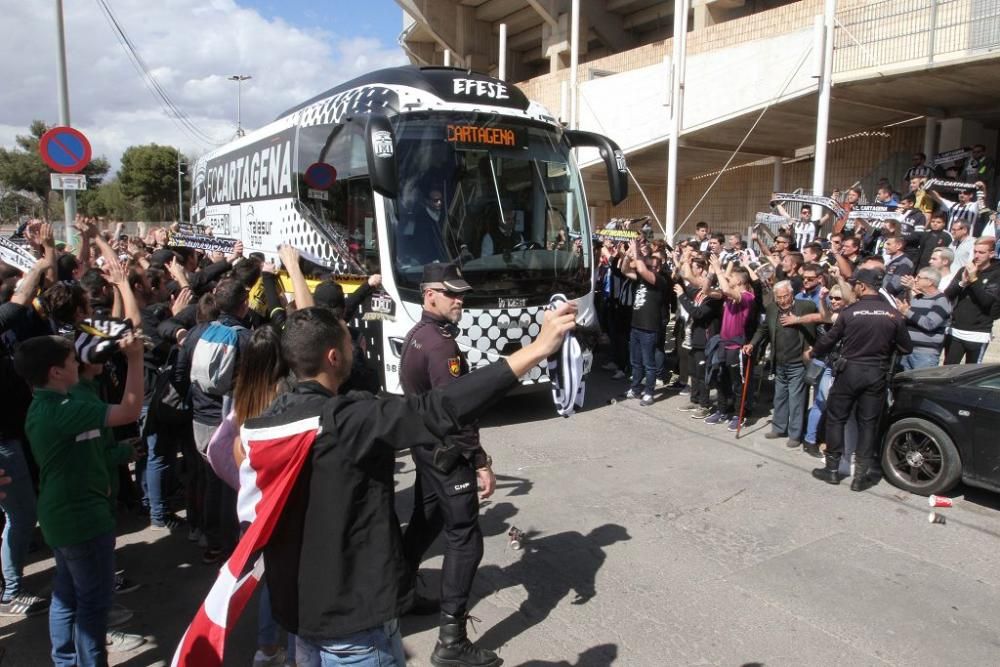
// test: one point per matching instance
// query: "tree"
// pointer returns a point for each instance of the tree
(149, 173)
(109, 201)
(22, 168)
(14, 204)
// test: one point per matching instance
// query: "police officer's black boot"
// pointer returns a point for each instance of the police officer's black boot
(454, 648)
(830, 473)
(863, 479)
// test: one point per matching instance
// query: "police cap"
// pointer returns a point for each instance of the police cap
(438, 275)
(871, 277)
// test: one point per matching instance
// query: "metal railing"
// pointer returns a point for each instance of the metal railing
(919, 31)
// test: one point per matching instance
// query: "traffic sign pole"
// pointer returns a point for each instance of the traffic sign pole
(69, 196)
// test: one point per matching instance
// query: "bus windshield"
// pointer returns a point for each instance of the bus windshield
(499, 197)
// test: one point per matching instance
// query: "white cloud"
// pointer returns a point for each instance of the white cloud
(191, 46)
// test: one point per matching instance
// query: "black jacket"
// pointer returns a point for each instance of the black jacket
(15, 394)
(430, 359)
(705, 317)
(201, 281)
(930, 242)
(335, 562)
(772, 322)
(977, 304)
(871, 330)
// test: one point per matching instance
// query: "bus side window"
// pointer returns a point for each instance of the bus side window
(347, 204)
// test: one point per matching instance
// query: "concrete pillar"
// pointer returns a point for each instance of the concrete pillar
(951, 134)
(564, 101)
(823, 106)
(779, 168)
(502, 64)
(930, 137)
(702, 17)
(574, 61)
(676, 114)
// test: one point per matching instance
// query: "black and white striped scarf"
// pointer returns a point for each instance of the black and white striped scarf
(565, 369)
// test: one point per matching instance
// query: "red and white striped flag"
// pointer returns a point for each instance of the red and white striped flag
(275, 456)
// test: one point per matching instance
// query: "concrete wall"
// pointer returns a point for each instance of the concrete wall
(789, 18)
(631, 109)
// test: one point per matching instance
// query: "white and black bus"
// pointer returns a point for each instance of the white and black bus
(409, 165)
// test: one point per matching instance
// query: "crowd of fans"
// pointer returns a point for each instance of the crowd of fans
(715, 311)
(120, 360)
(127, 356)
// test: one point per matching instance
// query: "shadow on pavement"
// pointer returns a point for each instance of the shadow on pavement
(981, 497)
(530, 404)
(596, 656)
(494, 520)
(550, 568)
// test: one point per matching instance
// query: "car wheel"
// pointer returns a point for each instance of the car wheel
(920, 457)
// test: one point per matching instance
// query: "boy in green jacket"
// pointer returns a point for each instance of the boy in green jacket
(74, 508)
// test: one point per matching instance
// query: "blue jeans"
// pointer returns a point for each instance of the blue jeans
(789, 400)
(19, 510)
(162, 451)
(81, 598)
(380, 646)
(153, 471)
(819, 403)
(267, 628)
(921, 357)
(642, 351)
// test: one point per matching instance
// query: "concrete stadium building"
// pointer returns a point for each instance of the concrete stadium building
(904, 76)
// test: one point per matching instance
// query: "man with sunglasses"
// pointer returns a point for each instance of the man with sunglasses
(449, 475)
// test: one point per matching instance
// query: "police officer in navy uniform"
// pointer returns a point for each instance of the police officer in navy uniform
(871, 330)
(450, 477)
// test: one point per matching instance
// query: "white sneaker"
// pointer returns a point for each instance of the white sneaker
(261, 659)
(119, 615)
(619, 375)
(610, 366)
(122, 642)
(24, 605)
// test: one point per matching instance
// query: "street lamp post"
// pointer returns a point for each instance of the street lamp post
(239, 79)
(180, 189)
(69, 196)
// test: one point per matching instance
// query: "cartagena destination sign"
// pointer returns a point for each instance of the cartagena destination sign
(479, 135)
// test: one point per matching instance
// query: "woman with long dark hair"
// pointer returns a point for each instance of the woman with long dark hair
(261, 375)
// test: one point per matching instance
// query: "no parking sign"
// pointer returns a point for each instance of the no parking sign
(64, 149)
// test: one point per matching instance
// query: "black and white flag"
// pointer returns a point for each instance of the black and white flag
(565, 369)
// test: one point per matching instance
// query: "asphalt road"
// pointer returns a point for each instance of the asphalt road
(655, 540)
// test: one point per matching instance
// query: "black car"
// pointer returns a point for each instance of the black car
(944, 425)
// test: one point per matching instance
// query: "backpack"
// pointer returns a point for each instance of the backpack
(213, 364)
(167, 406)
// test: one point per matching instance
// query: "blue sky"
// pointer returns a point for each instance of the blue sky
(293, 49)
(380, 19)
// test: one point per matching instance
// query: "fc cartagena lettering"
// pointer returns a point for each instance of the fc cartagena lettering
(262, 170)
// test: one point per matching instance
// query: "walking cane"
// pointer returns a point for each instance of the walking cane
(743, 400)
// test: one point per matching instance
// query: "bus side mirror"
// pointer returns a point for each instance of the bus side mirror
(380, 147)
(614, 160)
